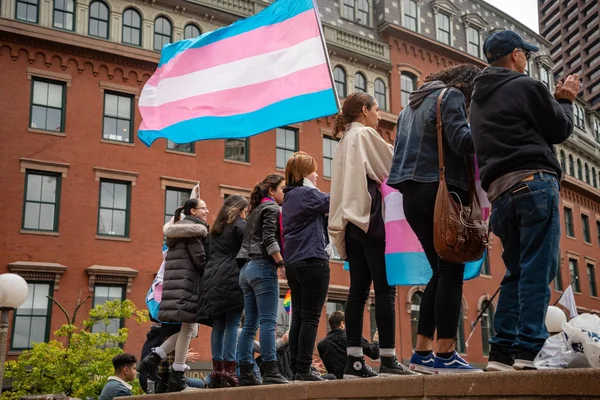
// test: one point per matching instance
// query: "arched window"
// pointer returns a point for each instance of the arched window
(415, 306)
(191, 31)
(132, 27)
(360, 83)
(563, 165)
(579, 172)
(380, 94)
(98, 21)
(64, 14)
(162, 32)
(571, 166)
(594, 178)
(339, 77)
(587, 173)
(408, 84)
(487, 326)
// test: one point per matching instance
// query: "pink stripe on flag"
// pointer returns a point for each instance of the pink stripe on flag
(239, 100)
(400, 238)
(253, 43)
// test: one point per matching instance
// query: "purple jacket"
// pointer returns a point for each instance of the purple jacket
(304, 224)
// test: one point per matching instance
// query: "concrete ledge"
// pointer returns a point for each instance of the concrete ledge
(553, 384)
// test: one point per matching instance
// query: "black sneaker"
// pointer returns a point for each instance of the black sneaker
(391, 366)
(310, 376)
(524, 360)
(500, 360)
(356, 367)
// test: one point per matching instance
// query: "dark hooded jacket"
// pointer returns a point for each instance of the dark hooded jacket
(416, 149)
(515, 122)
(184, 266)
(220, 291)
(304, 224)
(332, 350)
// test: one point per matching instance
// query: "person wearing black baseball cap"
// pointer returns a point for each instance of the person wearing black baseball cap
(515, 122)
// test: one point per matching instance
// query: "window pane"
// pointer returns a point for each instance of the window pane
(59, 19)
(281, 158)
(34, 187)
(135, 37)
(110, 129)
(280, 138)
(55, 96)
(118, 222)
(53, 119)
(32, 216)
(102, 29)
(290, 140)
(47, 217)
(327, 168)
(40, 301)
(40, 93)
(38, 117)
(124, 107)
(127, 35)
(123, 130)
(107, 191)
(21, 333)
(105, 222)
(94, 27)
(120, 197)
(111, 105)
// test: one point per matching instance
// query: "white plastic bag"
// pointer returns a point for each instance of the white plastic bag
(557, 354)
(583, 336)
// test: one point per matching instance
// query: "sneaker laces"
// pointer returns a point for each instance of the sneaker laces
(368, 367)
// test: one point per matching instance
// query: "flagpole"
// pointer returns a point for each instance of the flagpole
(476, 322)
(316, 9)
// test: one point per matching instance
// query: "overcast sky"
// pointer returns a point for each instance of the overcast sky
(524, 11)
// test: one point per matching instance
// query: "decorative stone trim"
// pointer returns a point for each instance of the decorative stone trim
(41, 165)
(231, 190)
(115, 87)
(168, 181)
(106, 173)
(110, 275)
(38, 271)
(327, 133)
(474, 21)
(409, 296)
(45, 74)
(482, 299)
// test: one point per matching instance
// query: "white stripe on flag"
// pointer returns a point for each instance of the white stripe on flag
(394, 211)
(235, 74)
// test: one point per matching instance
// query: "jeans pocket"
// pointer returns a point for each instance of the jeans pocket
(532, 207)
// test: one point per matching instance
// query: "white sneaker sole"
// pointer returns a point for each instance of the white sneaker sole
(421, 369)
(359, 377)
(494, 366)
(523, 364)
(456, 371)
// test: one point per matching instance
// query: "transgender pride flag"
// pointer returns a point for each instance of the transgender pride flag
(405, 261)
(265, 71)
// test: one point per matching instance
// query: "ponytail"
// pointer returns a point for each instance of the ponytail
(261, 190)
(186, 208)
(351, 111)
(341, 124)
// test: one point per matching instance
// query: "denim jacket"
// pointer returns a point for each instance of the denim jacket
(416, 148)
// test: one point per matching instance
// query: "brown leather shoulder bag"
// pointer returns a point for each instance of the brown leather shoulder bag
(459, 230)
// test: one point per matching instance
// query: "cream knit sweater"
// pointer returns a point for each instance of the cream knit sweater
(362, 152)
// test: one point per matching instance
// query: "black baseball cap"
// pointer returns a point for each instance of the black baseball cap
(502, 43)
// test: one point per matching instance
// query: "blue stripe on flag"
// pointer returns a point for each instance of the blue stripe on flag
(410, 269)
(275, 13)
(290, 111)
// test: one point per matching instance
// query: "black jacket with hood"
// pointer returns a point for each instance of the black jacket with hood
(515, 122)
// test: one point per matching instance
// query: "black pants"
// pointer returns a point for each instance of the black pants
(366, 256)
(309, 283)
(442, 298)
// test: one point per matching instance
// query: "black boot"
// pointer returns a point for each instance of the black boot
(391, 366)
(149, 366)
(247, 377)
(272, 376)
(177, 381)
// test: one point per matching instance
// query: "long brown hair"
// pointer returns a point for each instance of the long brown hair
(229, 212)
(261, 190)
(299, 166)
(351, 110)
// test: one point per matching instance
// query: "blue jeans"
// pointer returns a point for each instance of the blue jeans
(526, 219)
(223, 338)
(258, 280)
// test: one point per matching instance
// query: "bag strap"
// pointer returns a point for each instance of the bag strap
(438, 126)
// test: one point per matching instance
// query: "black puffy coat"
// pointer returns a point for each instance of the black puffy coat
(220, 291)
(184, 266)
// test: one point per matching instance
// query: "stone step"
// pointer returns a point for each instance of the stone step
(550, 384)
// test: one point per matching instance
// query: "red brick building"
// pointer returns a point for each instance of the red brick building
(84, 201)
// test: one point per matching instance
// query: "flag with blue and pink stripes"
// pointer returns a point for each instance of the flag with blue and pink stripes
(263, 72)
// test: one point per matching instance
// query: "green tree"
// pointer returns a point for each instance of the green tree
(78, 363)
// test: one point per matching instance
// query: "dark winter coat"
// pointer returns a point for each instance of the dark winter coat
(332, 350)
(220, 291)
(184, 266)
(304, 224)
(516, 122)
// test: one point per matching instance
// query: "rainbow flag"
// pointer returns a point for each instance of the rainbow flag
(268, 70)
(406, 263)
(287, 302)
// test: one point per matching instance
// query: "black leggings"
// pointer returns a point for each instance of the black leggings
(442, 298)
(366, 256)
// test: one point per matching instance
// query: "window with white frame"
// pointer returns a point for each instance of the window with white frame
(339, 77)
(410, 15)
(380, 94)
(579, 116)
(408, 84)
(31, 323)
(473, 42)
(360, 82)
(443, 28)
